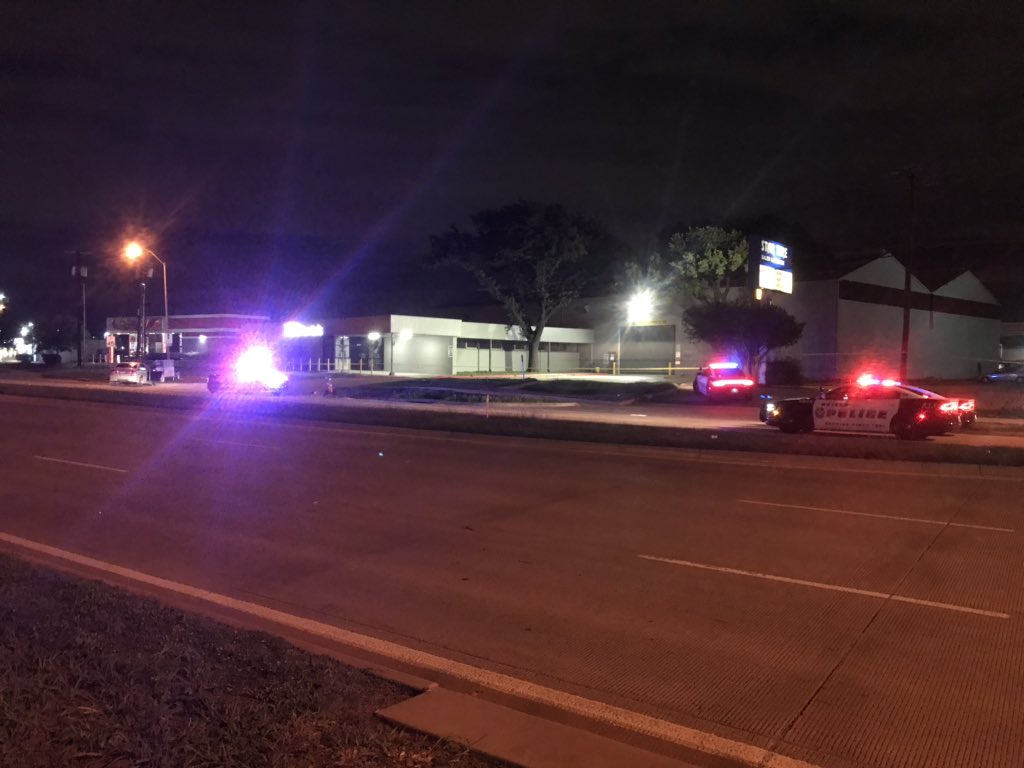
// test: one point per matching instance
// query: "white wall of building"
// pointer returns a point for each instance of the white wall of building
(816, 304)
(1011, 342)
(420, 354)
(500, 360)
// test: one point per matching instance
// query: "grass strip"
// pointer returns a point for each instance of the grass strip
(91, 675)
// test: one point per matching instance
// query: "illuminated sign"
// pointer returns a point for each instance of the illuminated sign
(773, 270)
(293, 329)
(772, 279)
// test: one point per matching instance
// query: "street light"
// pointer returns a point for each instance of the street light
(133, 251)
(639, 311)
(640, 308)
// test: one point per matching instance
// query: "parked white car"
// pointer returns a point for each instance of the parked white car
(129, 373)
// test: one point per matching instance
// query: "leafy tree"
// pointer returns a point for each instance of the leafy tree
(750, 328)
(533, 258)
(708, 261)
(57, 333)
(652, 272)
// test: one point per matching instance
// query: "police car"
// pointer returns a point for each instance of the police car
(254, 371)
(869, 405)
(723, 380)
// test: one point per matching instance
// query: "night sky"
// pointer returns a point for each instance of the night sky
(287, 156)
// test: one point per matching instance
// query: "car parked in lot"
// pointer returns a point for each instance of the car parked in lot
(1011, 372)
(870, 405)
(723, 380)
(129, 373)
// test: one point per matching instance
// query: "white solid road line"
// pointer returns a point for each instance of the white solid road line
(880, 516)
(81, 464)
(830, 587)
(691, 738)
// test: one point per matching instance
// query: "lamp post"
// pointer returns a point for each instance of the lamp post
(133, 251)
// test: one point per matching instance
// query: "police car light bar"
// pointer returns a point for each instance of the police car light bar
(723, 366)
(867, 380)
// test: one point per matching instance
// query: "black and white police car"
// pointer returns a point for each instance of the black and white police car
(723, 380)
(253, 371)
(871, 405)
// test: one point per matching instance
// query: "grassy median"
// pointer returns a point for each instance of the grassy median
(93, 676)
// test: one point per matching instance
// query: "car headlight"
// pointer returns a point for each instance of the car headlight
(769, 407)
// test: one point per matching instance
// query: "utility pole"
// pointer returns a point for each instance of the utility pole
(81, 271)
(908, 264)
(140, 346)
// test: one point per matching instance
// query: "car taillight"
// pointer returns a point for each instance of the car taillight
(732, 383)
(949, 407)
(966, 405)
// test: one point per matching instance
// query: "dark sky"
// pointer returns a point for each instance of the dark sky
(289, 145)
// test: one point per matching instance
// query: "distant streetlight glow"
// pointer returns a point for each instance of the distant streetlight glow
(373, 336)
(640, 308)
(133, 251)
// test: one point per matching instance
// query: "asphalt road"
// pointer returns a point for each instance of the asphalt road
(844, 613)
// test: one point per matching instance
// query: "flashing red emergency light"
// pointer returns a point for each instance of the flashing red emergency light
(724, 366)
(869, 379)
(732, 383)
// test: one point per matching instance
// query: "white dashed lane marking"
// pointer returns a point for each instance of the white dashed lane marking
(235, 443)
(829, 587)
(900, 518)
(81, 464)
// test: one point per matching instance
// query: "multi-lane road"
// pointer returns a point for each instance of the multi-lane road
(834, 613)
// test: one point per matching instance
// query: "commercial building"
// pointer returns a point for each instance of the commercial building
(412, 344)
(853, 320)
(407, 344)
(189, 334)
(1011, 342)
